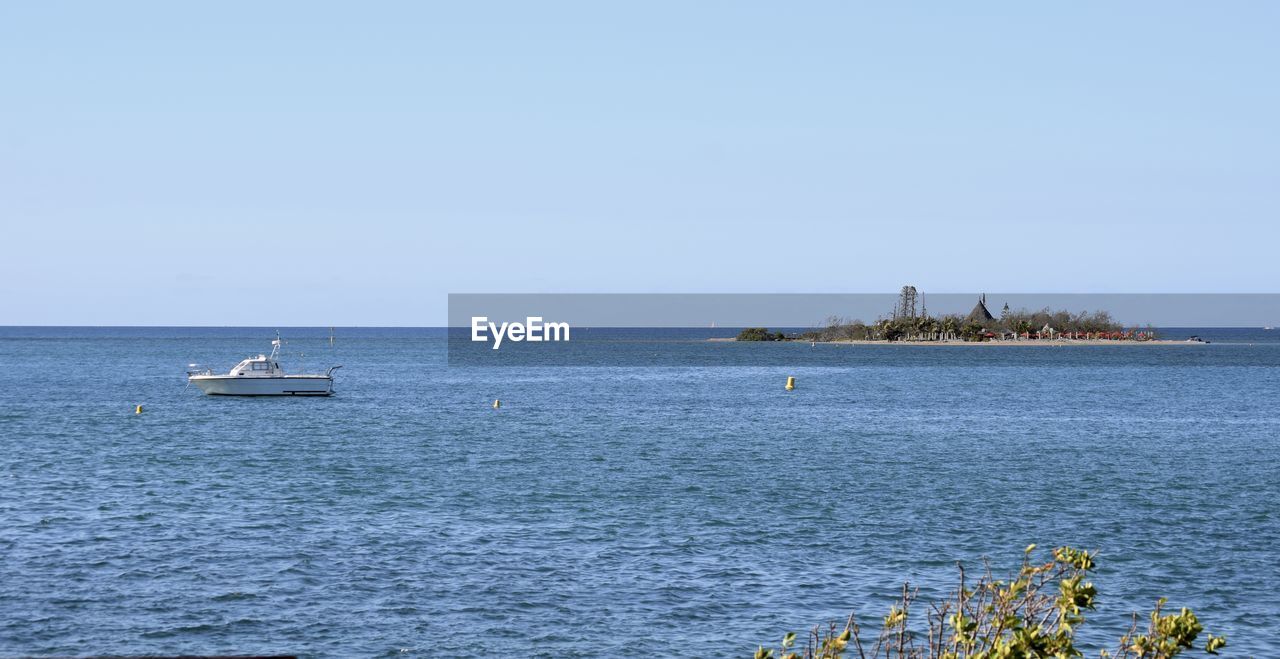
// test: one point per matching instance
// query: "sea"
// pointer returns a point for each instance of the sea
(689, 508)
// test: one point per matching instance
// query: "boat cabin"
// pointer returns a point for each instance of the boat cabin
(261, 366)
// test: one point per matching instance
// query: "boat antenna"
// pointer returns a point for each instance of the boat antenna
(275, 345)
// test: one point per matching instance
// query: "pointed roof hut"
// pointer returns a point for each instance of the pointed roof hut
(980, 314)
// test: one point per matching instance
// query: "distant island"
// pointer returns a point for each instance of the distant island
(907, 324)
(760, 334)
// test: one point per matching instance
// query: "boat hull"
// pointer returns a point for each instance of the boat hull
(289, 385)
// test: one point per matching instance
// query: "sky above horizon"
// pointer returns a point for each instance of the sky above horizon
(324, 164)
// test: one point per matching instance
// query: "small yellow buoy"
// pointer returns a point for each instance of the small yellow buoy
(137, 410)
(496, 403)
(791, 383)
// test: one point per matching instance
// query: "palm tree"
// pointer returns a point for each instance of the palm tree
(922, 325)
(950, 327)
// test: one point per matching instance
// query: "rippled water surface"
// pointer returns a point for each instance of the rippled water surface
(611, 511)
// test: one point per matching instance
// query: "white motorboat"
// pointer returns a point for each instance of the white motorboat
(261, 376)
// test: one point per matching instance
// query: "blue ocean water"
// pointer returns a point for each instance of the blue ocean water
(612, 511)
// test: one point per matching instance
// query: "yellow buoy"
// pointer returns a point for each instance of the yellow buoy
(791, 383)
(496, 403)
(137, 410)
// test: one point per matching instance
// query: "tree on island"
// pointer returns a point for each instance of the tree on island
(760, 334)
(979, 325)
(973, 331)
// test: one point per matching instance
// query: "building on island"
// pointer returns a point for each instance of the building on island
(980, 314)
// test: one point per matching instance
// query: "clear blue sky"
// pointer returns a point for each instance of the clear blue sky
(349, 164)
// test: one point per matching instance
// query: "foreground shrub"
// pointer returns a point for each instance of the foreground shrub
(1035, 614)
